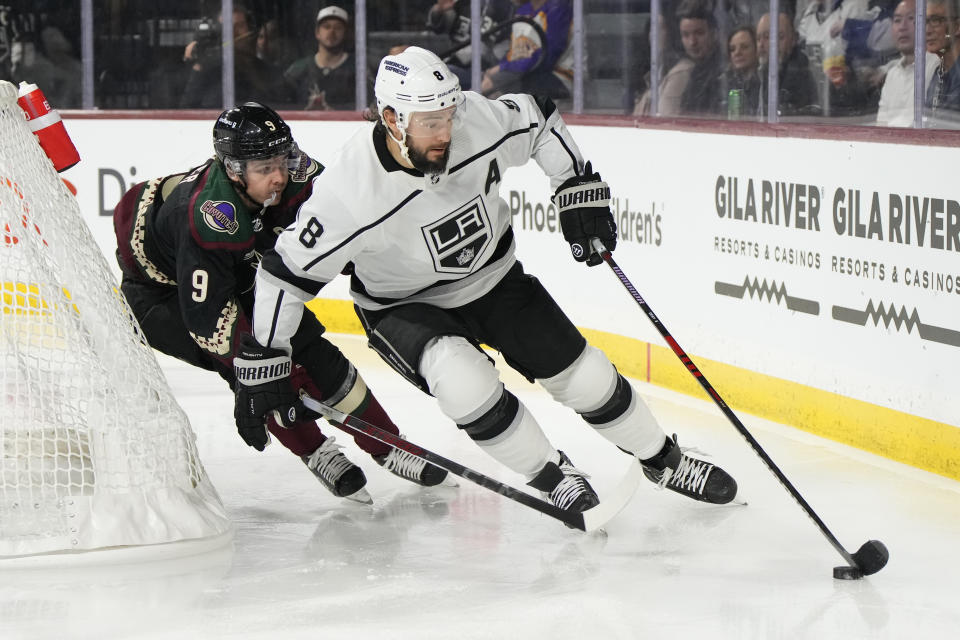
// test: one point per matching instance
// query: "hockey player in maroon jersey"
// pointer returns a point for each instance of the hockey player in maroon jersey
(434, 275)
(188, 247)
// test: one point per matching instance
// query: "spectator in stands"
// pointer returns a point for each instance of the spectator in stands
(896, 97)
(452, 17)
(849, 93)
(822, 21)
(874, 35)
(326, 79)
(531, 66)
(943, 39)
(671, 52)
(54, 68)
(699, 36)
(692, 84)
(742, 75)
(797, 94)
(868, 43)
(254, 79)
(390, 15)
(733, 14)
(273, 46)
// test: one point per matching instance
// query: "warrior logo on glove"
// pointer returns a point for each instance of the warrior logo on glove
(264, 372)
(599, 195)
(584, 205)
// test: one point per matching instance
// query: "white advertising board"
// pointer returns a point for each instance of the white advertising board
(832, 264)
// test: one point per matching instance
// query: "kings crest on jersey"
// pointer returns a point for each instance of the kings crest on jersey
(441, 239)
(456, 240)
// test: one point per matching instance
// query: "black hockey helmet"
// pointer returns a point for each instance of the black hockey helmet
(249, 132)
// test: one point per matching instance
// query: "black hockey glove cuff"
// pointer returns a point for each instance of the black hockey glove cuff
(584, 205)
(263, 387)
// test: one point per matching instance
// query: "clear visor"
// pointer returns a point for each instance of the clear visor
(265, 166)
(432, 124)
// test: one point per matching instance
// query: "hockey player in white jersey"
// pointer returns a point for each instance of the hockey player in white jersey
(411, 209)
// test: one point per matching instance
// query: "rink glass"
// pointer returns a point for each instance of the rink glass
(139, 54)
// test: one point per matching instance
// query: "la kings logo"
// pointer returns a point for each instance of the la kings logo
(459, 238)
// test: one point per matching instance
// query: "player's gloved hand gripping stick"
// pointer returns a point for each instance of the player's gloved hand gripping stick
(589, 520)
(263, 387)
(584, 205)
(871, 556)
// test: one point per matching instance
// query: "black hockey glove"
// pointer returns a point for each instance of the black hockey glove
(263, 387)
(584, 205)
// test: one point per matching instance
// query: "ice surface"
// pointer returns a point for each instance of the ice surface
(467, 563)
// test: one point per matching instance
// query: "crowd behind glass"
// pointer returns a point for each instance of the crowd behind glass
(835, 61)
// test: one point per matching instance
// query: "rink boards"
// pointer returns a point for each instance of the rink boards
(814, 282)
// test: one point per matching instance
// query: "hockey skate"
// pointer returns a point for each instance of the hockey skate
(416, 470)
(565, 485)
(677, 471)
(343, 478)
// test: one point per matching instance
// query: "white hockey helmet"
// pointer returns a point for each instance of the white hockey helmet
(414, 81)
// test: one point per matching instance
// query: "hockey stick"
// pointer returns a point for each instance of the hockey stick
(872, 555)
(589, 520)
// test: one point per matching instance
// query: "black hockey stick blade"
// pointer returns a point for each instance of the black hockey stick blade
(872, 556)
(589, 520)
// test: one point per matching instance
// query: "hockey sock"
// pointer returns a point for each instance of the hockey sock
(355, 398)
(635, 430)
(370, 410)
(522, 446)
(302, 439)
(605, 399)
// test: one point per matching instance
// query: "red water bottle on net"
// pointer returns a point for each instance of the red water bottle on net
(46, 124)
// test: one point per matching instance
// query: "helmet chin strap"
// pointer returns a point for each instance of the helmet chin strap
(243, 190)
(401, 142)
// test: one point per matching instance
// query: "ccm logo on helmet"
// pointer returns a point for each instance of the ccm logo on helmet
(583, 196)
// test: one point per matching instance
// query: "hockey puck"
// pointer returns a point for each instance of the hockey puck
(846, 572)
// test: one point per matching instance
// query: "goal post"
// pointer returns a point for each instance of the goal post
(95, 452)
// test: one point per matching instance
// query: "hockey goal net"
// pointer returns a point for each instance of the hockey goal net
(94, 450)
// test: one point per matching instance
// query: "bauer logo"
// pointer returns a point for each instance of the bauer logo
(458, 240)
(220, 216)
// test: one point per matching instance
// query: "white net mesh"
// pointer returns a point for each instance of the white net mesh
(94, 450)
